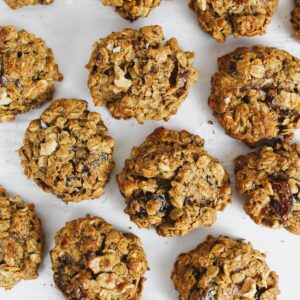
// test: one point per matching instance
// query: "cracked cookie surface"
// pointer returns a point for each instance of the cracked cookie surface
(21, 241)
(256, 94)
(296, 19)
(171, 183)
(136, 73)
(132, 9)
(270, 180)
(220, 18)
(93, 261)
(68, 151)
(27, 72)
(223, 268)
(20, 3)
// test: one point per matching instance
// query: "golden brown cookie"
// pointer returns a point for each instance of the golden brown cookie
(220, 18)
(173, 184)
(256, 94)
(296, 19)
(132, 9)
(20, 3)
(21, 241)
(136, 73)
(93, 261)
(222, 268)
(68, 151)
(27, 72)
(270, 180)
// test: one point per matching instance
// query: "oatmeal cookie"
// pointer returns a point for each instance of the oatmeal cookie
(93, 261)
(172, 183)
(296, 19)
(21, 241)
(223, 268)
(20, 3)
(220, 18)
(256, 94)
(135, 73)
(27, 72)
(270, 180)
(132, 9)
(68, 151)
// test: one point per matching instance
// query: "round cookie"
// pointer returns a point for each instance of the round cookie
(223, 268)
(239, 18)
(27, 72)
(270, 180)
(171, 183)
(93, 261)
(135, 73)
(132, 9)
(256, 94)
(20, 3)
(68, 151)
(21, 241)
(296, 19)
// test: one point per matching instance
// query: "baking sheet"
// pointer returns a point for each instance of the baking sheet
(70, 27)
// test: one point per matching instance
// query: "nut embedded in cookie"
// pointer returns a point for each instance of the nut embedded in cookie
(136, 73)
(27, 72)
(20, 3)
(223, 268)
(91, 260)
(21, 241)
(269, 179)
(296, 19)
(68, 151)
(256, 94)
(132, 9)
(170, 182)
(220, 18)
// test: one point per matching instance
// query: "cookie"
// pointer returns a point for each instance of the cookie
(223, 268)
(256, 94)
(20, 3)
(68, 151)
(21, 241)
(220, 18)
(27, 72)
(91, 260)
(132, 9)
(170, 182)
(270, 180)
(296, 19)
(136, 73)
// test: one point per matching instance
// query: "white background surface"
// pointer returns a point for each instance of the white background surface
(70, 27)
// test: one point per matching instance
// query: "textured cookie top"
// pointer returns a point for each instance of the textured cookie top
(137, 74)
(220, 18)
(93, 261)
(20, 3)
(222, 268)
(27, 72)
(68, 152)
(270, 180)
(256, 94)
(21, 241)
(171, 183)
(296, 19)
(132, 9)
